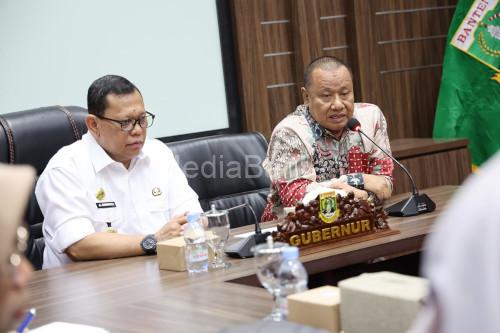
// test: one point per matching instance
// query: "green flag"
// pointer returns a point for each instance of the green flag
(469, 97)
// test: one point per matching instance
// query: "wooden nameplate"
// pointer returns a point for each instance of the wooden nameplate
(344, 242)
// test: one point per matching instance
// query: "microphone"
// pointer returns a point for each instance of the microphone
(417, 203)
(243, 248)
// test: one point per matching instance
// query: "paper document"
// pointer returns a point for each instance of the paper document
(311, 195)
(246, 234)
(58, 326)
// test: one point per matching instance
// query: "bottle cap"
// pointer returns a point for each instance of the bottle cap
(214, 213)
(194, 217)
(269, 241)
(290, 252)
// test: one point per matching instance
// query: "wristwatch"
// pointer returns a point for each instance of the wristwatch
(148, 244)
(356, 180)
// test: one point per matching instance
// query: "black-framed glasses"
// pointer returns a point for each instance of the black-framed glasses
(128, 125)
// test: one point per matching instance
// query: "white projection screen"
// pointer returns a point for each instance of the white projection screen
(52, 50)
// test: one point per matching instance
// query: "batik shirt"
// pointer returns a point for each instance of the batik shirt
(302, 153)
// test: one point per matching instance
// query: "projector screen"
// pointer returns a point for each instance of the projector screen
(52, 50)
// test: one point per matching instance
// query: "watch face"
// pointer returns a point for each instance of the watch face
(149, 243)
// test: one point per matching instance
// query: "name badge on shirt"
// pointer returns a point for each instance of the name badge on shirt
(108, 204)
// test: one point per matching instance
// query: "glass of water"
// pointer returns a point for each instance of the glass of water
(268, 259)
(216, 223)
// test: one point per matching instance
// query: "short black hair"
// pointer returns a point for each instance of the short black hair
(102, 87)
(325, 63)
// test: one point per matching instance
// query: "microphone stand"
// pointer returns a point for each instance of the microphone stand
(417, 203)
(243, 248)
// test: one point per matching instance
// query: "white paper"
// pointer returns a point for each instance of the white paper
(58, 326)
(310, 196)
(246, 234)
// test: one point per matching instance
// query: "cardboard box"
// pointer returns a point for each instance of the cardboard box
(317, 307)
(171, 253)
(381, 302)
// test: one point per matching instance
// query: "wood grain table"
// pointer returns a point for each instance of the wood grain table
(133, 295)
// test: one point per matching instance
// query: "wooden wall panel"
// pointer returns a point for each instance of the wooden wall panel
(395, 48)
(279, 70)
(399, 5)
(412, 101)
(282, 100)
(401, 57)
(333, 32)
(364, 59)
(444, 168)
(249, 53)
(332, 7)
(429, 23)
(306, 33)
(277, 38)
(431, 162)
(407, 43)
(273, 10)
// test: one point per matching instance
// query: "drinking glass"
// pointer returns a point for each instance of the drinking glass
(217, 229)
(268, 259)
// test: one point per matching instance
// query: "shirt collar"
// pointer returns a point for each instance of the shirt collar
(317, 130)
(100, 159)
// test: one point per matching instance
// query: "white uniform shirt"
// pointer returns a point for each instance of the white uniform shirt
(80, 177)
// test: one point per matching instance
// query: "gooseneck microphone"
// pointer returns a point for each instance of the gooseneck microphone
(417, 203)
(243, 248)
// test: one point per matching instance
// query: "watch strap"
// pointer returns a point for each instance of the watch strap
(356, 180)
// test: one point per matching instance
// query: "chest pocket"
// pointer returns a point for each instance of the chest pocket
(105, 217)
(158, 207)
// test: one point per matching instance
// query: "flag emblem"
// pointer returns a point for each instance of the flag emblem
(479, 33)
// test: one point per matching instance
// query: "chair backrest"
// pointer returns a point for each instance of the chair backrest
(226, 170)
(33, 137)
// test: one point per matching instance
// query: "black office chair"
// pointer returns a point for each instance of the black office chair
(33, 137)
(226, 170)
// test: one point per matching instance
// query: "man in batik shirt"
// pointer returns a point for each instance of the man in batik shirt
(312, 150)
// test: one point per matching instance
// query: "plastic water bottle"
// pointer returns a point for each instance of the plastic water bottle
(292, 276)
(196, 245)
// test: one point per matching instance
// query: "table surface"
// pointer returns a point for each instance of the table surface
(133, 295)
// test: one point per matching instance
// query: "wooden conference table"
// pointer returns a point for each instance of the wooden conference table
(133, 295)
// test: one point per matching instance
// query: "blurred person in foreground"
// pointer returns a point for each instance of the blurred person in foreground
(462, 260)
(15, 185)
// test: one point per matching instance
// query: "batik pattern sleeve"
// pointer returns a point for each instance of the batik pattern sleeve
(290, 168)
(380, 163)
(288, 158)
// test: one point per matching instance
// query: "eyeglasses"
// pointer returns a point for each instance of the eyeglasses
(129, 124)
(16, 257)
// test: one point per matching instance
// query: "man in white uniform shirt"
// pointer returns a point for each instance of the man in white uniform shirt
(114, 193)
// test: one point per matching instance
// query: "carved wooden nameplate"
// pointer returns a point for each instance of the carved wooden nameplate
(353, 221)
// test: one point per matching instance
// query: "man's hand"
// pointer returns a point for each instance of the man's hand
(105, 245)
(172, 228)
(360, 194)
(378, 185)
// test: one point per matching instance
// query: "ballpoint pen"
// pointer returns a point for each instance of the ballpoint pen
(26, 321)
